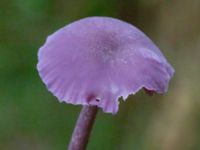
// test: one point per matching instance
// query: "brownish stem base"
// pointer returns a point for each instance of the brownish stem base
(83, 128)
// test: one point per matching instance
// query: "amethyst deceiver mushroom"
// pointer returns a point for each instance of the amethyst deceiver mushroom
(96, 60)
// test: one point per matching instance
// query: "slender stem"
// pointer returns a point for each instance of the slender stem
(83, 128)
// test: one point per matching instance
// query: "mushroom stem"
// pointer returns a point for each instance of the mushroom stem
(83, 128)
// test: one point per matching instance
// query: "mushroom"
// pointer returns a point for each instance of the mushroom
(94, 61)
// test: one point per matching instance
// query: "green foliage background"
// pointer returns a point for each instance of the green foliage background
(32, 119)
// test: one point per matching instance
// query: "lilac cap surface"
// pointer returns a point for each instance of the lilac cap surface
(96, 60)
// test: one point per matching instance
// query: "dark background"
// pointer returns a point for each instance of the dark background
(32, 119)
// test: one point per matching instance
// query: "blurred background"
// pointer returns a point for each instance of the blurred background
(31, 118)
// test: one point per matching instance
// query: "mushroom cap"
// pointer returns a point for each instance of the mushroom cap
(96, 60)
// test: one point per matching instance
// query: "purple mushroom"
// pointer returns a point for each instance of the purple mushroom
(96, 60)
